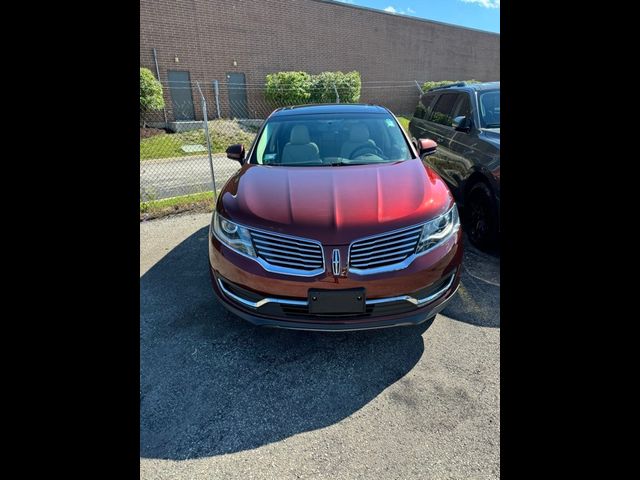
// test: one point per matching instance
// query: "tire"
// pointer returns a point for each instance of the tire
(481, 217)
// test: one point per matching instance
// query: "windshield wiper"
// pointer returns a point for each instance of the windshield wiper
(297, 164)
(346, 164)
(342, 163)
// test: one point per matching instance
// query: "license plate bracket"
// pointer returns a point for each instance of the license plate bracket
(322, 301)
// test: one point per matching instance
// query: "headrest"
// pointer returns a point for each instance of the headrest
(299, 135)
(359, 133)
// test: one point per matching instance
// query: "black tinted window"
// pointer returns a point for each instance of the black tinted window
(420, 111)
(490, 108)
(423, 110)
(443, 109)
(464, 106)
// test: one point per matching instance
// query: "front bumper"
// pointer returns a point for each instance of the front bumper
(405, 297)
(413, 311)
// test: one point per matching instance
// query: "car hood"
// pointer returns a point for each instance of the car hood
(334, 204)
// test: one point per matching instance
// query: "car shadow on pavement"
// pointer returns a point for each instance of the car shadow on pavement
(478, 299)
(213, 384)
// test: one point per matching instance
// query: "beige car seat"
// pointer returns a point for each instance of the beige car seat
(300, 149)
(358, 137)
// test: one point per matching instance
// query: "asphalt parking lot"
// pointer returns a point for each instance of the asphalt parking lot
(223, 399)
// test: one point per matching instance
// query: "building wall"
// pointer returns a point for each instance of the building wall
(266, 36)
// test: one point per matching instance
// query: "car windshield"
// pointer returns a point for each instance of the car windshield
(489, 108)
(329, 139)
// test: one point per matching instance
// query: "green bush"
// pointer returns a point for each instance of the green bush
(287, 88)
(296, 88)
(150, 94)
(429, 85)
(347, 84)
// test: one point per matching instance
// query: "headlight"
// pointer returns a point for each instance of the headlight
(438, 230)
(232, 235)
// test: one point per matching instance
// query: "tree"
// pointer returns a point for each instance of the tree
(151, 98)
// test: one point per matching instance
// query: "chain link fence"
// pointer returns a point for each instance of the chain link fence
(180, 152)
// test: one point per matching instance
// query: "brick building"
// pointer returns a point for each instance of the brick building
(237, 43)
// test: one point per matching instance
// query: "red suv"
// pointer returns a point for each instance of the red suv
(334, 222)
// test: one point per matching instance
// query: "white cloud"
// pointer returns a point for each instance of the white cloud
(346, 1)
(410, 10)
(485, 3)
(391, 9)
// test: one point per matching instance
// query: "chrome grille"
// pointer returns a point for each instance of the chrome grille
(383, 250)
(288, 254)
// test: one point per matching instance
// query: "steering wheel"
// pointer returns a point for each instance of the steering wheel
(370, 148)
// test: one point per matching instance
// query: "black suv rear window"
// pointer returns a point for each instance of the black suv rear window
(423, 110)
(442, 109)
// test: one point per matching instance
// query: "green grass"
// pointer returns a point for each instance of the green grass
(223, 133)
(404, 121)
(202, 201)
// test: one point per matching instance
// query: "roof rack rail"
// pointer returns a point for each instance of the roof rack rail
(451, 85)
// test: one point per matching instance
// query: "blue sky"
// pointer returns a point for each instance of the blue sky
(480, 14)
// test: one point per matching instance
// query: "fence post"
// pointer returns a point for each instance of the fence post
(419, 87)
(336, 90)
(216, 91)
(206, 132)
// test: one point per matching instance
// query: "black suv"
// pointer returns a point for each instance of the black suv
(464, 120)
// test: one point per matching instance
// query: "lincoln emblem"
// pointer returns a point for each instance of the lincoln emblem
(335, 262)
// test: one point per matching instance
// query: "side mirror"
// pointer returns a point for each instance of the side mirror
(462, 124)
(426, 147)
(236, 152)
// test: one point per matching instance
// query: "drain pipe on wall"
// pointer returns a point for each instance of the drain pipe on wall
(164, 110)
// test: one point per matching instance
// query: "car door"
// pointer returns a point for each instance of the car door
(468, 150)
(438, 128)
(462, 147)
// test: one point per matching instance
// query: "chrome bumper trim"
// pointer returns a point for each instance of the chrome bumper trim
(418, 302)
(262, 302)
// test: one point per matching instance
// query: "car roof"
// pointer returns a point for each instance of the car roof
(329, 108)
(467, 87)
